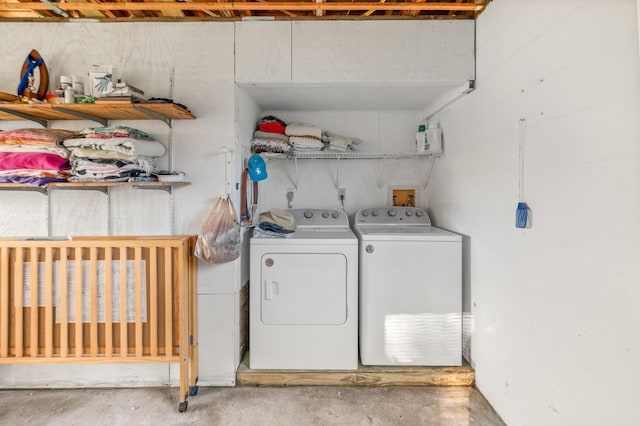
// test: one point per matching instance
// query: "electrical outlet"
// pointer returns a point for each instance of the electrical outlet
(290, 193)
(342, 194)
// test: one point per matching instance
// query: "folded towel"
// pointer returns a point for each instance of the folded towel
(305, 142)
(327, 135)
(339, 141)
(270, 135)
(298, 129)
(336, 148)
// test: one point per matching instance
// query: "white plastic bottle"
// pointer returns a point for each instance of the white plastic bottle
(421, 139)
(433, 140)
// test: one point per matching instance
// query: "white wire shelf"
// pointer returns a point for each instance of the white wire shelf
(324, 155)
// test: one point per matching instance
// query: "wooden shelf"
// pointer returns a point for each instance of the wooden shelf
(101, 186)
(96, 112)
(148, 184)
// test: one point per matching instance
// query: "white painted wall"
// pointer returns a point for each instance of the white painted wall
(202, 58)
(552, 311)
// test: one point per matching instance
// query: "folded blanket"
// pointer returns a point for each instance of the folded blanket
(45, 137)
(32, 160)
(270, 135)
(273, 127)
(59, 151)
(147, 164)
(56, 174)
(303, 130)
(259, 145)
(115, 132)
(272, 119)
(305, 142)
(31, 180)
(127, 146)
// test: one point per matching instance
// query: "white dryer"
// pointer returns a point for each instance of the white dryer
(410, 289)
(304, 295)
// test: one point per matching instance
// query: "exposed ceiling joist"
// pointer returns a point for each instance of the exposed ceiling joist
(323, 9)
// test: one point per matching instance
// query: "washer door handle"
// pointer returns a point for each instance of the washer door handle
(369, 248)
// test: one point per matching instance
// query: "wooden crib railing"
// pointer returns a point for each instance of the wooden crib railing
(100, 300)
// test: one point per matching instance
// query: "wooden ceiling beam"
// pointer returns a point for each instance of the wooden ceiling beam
(253, 6)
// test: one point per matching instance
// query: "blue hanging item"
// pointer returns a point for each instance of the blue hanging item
(523, 216)
(257, 168)
(523, 213)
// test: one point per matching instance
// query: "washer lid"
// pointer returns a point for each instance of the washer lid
(335, 236)
(405, 233)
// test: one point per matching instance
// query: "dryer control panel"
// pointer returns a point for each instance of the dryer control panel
(320, 218)
(392, 215)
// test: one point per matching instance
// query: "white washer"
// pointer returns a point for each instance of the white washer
(410, 289)
(304, 296)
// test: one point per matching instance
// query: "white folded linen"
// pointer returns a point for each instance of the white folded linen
(305, 142)
(300, 129)
(127, 146)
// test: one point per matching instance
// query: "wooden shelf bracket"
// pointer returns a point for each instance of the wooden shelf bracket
(41, 121)
(103, 121)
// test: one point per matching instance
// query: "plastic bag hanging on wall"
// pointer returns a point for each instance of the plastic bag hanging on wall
(219, 238)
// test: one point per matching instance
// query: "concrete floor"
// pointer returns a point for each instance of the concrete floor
(317, 405)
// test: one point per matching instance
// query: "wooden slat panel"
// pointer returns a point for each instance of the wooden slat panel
(4, 302)
(48, 302)
(123, 302)
(153, 299)
(168, 298)
(64, 303)
(170, 324)
(33, 309)
(19, 315)
(93, 306)
(78, 301)
(108, 301)
(138, 298)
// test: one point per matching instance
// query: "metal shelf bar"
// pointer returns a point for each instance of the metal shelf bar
(153, 114)
(82, 115)
(351, 155)
(41, 121)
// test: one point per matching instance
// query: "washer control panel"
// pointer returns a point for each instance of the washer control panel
(392, 215)
(319, 218)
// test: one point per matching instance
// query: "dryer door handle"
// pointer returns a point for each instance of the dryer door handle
(270, 288)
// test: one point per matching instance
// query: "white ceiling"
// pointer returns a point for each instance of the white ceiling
(386, 96)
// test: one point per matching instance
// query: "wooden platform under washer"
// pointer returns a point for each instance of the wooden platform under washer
(363, 376)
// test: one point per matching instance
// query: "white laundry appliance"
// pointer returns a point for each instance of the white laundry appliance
(304, 295)
(410, 289)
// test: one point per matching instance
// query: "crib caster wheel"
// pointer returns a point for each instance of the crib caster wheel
(182, 407)
(193, 390)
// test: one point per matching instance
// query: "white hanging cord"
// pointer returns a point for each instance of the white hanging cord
(522, 124)
(432, 162)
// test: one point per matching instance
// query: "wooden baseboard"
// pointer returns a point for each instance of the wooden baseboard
(363, 376)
